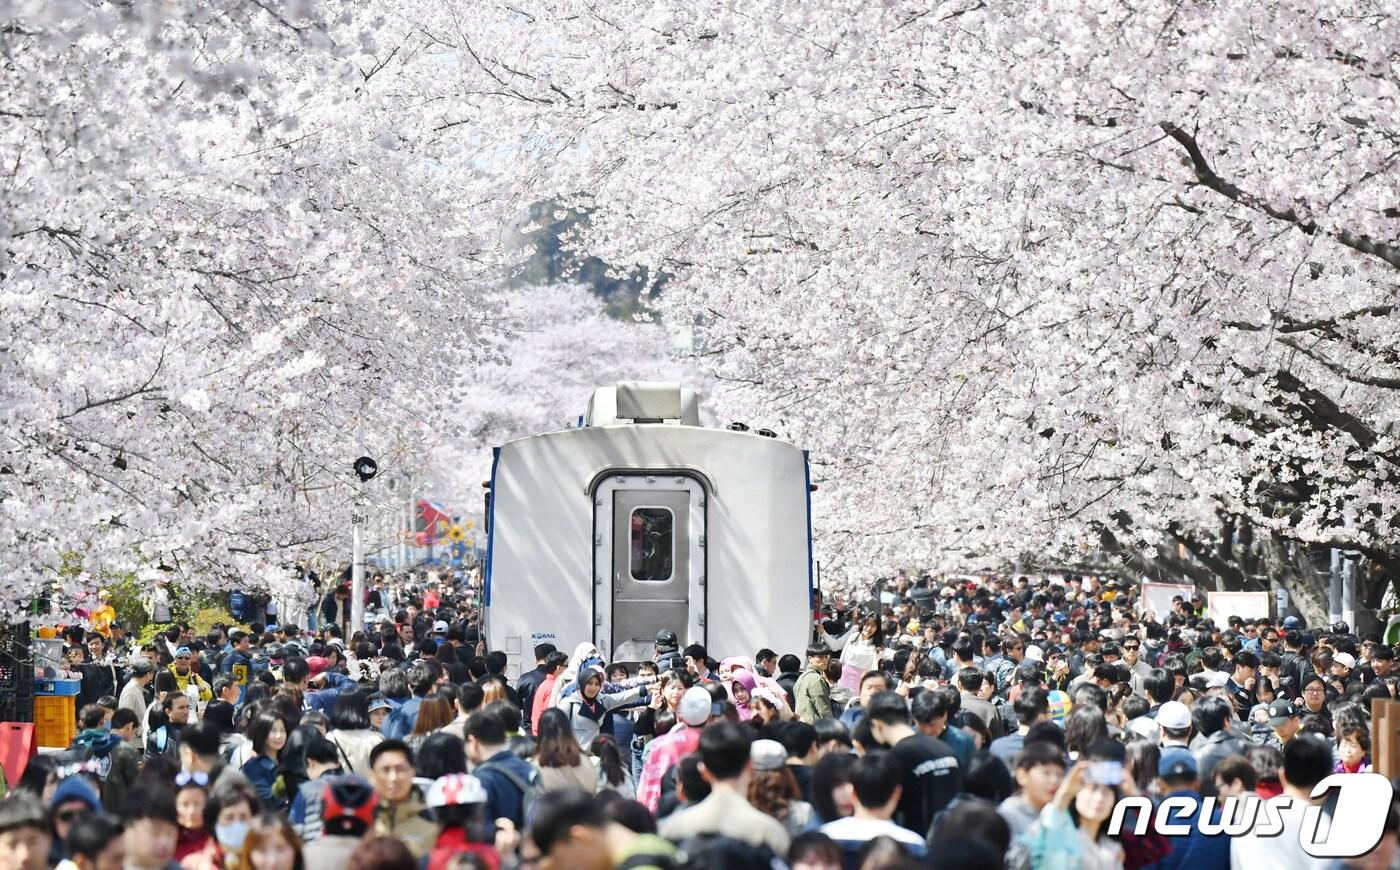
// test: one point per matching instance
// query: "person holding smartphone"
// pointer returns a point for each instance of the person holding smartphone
(1072, 829)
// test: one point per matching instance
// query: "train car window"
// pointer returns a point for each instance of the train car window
(653, 542)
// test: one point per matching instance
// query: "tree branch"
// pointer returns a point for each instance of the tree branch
(1208, 178)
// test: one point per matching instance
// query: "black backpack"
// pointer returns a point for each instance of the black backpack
(718, 852)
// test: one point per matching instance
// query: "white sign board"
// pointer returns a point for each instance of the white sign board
(1220, 606)
(1157, 597)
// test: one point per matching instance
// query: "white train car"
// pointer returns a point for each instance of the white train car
(642, 519)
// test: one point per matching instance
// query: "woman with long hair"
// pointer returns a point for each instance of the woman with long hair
(613, 775)
(493, 690)
(773, 789)
(351, 732)
(1141, 756)
(862, 649)
(1072, 830)
(832, 795)
(268, 735)
(1084, 727)
(271, 844)
(558, 757)
(433, 714)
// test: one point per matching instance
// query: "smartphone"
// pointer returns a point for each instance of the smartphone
(1106, 773)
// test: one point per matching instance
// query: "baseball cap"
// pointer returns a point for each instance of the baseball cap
(1346, 660)
(455, 789)
(440, 627)
(1292, 622)
(380, 704)
(1280, 711)
(1174, 715)
(1035, 653)
(767, 755)
(694, 708)
(182, 652)
(1177, 762)
(666, 639)
(1145, 727)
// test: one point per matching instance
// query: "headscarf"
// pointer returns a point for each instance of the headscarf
(745, 679)
(582, 652)
(734, 662)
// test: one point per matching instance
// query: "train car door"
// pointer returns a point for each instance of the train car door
(651, 563)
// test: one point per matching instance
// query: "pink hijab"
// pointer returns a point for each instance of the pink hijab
(745, 679)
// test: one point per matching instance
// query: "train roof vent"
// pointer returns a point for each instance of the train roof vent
(643, 402)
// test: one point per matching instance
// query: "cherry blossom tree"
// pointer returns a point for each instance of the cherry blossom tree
(1058, 278)
(560, 346)
(224, 276)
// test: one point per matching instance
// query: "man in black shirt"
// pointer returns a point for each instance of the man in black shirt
(932, 777)
(530, 681)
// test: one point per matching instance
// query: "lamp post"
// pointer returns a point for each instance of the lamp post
(365, 470)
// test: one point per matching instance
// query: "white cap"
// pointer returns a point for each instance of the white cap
(1174, 715)
(695, 705)
(1346, 660)
(1146, 727)
(1035, 654)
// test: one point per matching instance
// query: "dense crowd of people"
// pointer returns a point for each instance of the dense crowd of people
(965, 722)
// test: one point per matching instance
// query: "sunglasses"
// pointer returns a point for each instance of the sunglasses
(1131, 647)
(67, 816)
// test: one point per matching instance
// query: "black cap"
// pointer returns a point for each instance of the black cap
(666, 639)
(1280, 711)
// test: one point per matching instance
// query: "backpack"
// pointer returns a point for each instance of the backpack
(530, 789)
(718, 852)
(660, 861)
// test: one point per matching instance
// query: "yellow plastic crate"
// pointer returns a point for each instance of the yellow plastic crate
(55, 720)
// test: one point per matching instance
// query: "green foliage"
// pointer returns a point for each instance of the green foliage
(125, 597)
(200, 608)
(550, 261)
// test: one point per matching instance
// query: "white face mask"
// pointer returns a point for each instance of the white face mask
(232, 835)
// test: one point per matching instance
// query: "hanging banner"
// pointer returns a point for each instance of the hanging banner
(1157, 597)
(1220, 606)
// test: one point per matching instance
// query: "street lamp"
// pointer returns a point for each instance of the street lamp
(365, 469)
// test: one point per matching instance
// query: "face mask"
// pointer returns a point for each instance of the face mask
(231, 836)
